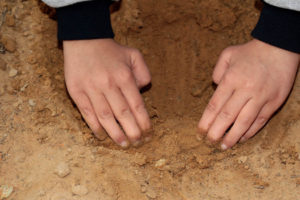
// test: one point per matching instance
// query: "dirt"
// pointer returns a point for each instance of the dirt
(48, 153)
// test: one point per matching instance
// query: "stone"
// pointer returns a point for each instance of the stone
(62, 170)
(151, 193)
(12, 73)
(260, 187)
(242, 159)
(22, 89)
(31, 102)
(143, 188)
(9, 44)
(160, 163)
(5, 191)
(3, 65)
(80, 190)
(140, 159)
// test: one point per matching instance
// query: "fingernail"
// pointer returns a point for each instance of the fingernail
(224, 147)
(243, 139)
(124, 144)
(101, 135)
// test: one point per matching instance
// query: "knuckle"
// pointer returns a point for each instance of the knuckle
(212, 106)
(215, 78)
(228, 78)
(227, 51)
(85, 110)
(123, 112)
(145, 80)
(136, 52)
(107, 82)
(125, 75)
(225, 114)
(104, 114)
(246, 121)
(261, 120)
(139, 107)
(73, 89)
(251, 85)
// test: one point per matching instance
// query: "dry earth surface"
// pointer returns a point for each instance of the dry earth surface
(48, 153)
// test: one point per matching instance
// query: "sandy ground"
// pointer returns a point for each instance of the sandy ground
(48, 153)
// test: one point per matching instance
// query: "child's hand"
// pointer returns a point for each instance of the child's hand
(253, 80)
(104, 78)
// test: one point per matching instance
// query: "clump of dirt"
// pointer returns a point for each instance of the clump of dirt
(47, 152)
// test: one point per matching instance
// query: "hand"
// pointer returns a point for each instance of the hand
(103, 78)
(254, 79)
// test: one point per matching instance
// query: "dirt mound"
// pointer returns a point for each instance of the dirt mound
(47, 152)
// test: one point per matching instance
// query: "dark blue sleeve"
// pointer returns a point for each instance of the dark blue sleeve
(279, 27)
(85, 20)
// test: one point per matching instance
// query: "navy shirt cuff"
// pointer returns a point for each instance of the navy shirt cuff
(85, 20)
(279, 27)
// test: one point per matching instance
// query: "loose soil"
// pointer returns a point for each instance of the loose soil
(48, 153)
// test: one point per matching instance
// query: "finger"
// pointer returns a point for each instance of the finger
(123, 114)
(86, 109)
(243, 122)
(106, 118)
(136, 104)
(219, 98)
(262, 118)
(221, 66)
(140, 69)
(227, 115)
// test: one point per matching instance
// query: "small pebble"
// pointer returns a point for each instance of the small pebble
(12, 72)
(160, 163)
(62, 170)
(41, 193)
(24, 87)
(31, 102)
(92, 158)
(260, 187)
(139, 159)
(143, 188)
(151, 193)
(242, 159)
(5, 191)
(79, 190)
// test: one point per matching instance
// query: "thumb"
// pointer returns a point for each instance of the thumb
(139, 69)
(222, 65)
